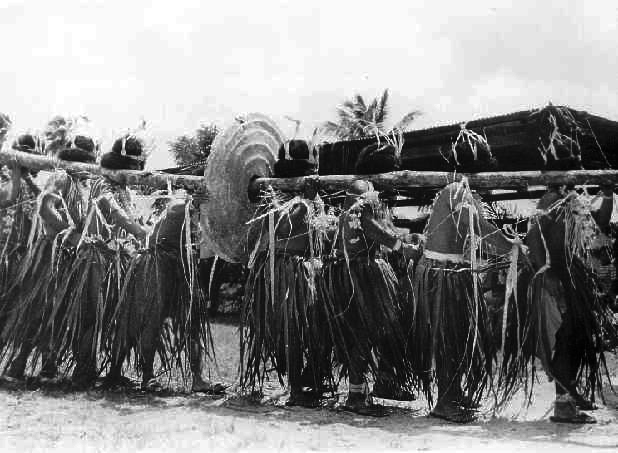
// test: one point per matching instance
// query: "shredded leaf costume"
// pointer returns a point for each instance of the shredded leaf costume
(451, 338)
(161, 282)
(564, 294)
(362, 299)
(92, 285)
(281, 317)
(16, 226)
(32, 321)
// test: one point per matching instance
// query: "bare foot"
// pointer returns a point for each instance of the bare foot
(453, 413)
(200, 385)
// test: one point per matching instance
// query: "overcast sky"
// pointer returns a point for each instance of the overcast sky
(181, 63)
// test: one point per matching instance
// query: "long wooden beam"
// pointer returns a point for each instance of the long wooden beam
(153, 179)
(432, 180)
(395, 180)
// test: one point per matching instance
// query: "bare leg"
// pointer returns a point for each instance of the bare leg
(147, 345)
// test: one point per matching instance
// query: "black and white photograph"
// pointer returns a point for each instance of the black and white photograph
(286, 226)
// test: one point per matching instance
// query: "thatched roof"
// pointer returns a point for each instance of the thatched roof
(514, 139)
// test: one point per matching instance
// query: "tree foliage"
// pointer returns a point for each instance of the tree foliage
(356, 118)
(188, 149)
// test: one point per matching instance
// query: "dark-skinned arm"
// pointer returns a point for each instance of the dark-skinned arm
(377, 232)
(108, 205)
(49, 211)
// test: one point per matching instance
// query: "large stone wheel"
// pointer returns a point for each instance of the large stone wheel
(244, 151)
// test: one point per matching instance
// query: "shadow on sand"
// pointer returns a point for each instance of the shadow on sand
(403, 421)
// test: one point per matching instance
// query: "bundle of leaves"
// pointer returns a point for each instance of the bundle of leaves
(558, 132)
(470, 152)
(377, 158)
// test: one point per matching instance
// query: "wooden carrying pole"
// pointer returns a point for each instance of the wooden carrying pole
(434, 180)
(157, 180)
(394, 180)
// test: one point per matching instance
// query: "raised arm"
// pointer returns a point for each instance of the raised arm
(49, 211)
(378, 232)
(109, 206)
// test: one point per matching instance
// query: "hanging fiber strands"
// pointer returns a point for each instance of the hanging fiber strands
(93, 283)
(571, 321)
(451, 328)
(558, 137)
(470, 152)
(161, 283)
(30, 322)
(280, 313)
(17, 203)
(361, 297)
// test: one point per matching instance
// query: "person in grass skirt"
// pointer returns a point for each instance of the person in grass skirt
(18, 196)
(161, 283)
(451, 341)
(61, 211)
(361, 293)
(17, 203)
(280, 310)
(92, 286)
(572, 321)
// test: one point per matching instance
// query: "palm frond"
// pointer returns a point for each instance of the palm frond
(360, 102)
(404, 122)
(381, 112)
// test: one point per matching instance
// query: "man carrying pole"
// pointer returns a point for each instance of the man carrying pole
(451, 334)
(570, 318)
(58, 221)
(280, 305)
(361, 296)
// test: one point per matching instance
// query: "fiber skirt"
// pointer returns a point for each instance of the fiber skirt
(28, 298)
(87, 297)
(573, 300)
(278, 318)
(159, 285)
(451, 328)
(365, 319)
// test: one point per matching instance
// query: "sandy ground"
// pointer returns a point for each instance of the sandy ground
(95, 421)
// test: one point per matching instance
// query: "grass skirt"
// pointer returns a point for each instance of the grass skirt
(285, 330)
(574, 299)
(158, 284)
(86, 298)
(451, 329)
(32, 294)
(10, 260)
(364, 315)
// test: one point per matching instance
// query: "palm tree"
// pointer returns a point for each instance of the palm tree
(189, 149)
(357, 119)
